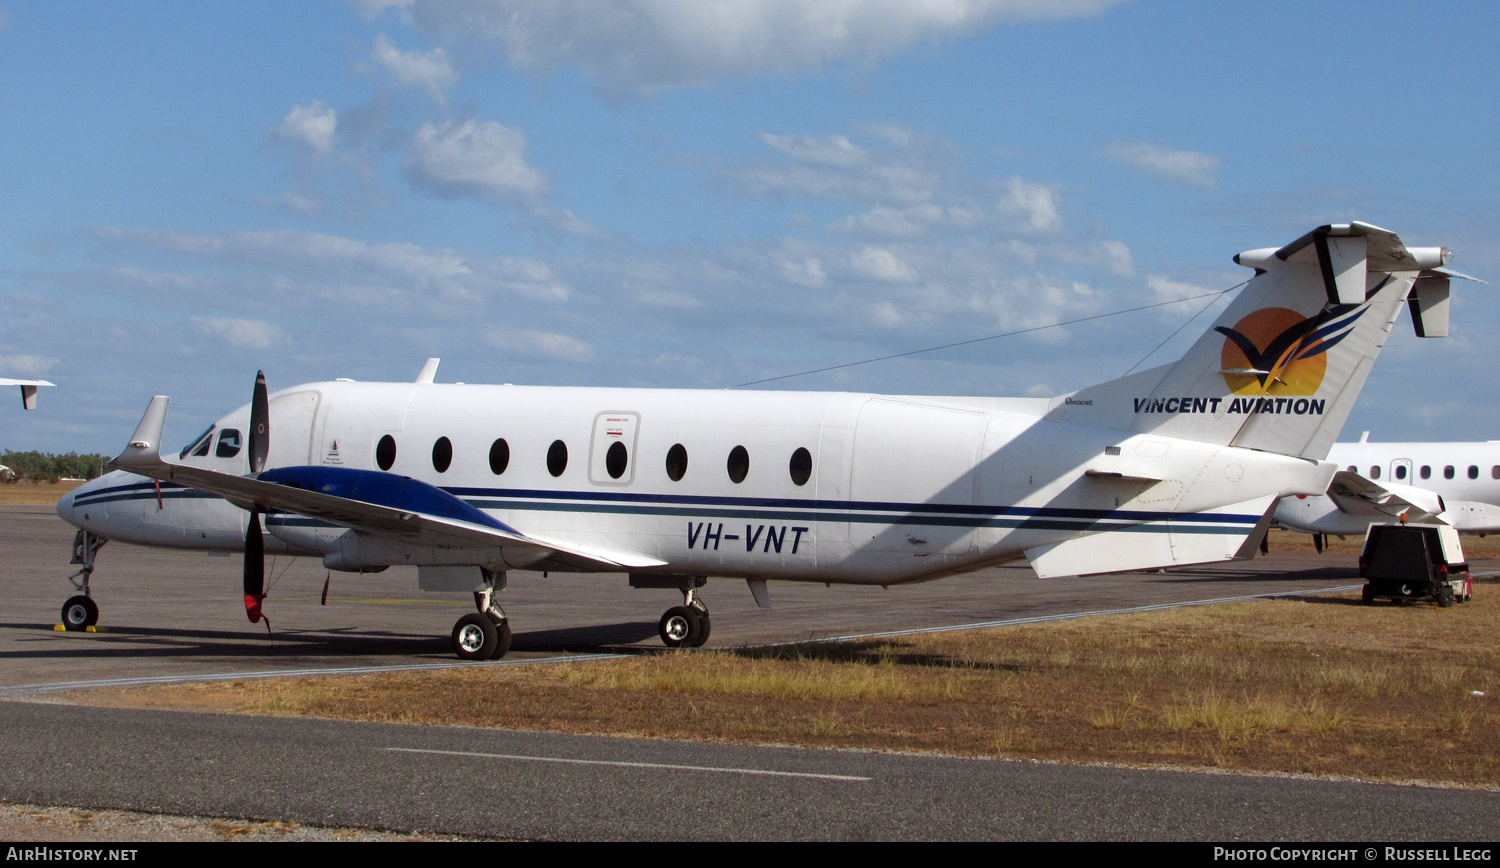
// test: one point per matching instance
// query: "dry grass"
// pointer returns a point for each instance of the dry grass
(35, 492)
(1318, 685)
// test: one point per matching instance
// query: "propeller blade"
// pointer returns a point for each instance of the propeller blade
(260, 425)
(255, 568)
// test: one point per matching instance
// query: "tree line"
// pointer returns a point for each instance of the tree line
(43, 467)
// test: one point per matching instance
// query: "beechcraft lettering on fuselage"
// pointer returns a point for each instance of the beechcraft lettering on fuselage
(469, 483)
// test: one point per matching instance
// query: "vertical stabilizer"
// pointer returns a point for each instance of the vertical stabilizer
(1280, 369)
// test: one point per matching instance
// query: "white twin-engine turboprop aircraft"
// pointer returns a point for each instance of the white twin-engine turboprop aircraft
(1181, 464)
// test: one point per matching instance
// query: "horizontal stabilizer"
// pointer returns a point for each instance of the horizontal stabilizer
(28, 390)
(1226, 533)
(1357, 495)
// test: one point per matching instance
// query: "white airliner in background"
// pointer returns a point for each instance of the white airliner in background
(28, 390)
(1453, 483)
(1181, 464)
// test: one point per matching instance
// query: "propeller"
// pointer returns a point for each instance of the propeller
(255, 547)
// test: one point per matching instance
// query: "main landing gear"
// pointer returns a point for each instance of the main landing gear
(485, 634)
(80, 612)
(685, 626)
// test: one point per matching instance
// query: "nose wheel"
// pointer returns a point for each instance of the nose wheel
(80, 612)
(685, 626)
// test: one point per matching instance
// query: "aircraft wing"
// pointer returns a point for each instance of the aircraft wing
(1358, 495)
(365, 501)
(28, 390)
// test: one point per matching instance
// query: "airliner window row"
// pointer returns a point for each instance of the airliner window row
(616, 458)
(1425, 472)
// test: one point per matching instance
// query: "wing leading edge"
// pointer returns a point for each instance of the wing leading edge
(365, 501)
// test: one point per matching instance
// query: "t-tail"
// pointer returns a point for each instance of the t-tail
(1280, 369)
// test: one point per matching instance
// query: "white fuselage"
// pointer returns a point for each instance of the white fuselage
(1465, 475)
(889, 489)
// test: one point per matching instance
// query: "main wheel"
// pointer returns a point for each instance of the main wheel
(679, 627)
(703, 628)
(502, 642)
(80, 613)
(475, 637)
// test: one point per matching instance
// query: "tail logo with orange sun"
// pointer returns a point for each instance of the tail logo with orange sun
(1275, 351)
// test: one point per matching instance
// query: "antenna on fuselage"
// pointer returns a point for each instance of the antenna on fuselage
(429, 371)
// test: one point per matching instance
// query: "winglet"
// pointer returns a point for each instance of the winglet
(145, 443)
(429, 371)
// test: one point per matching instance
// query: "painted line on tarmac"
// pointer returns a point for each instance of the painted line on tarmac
(144, 681)
(632, 765)
(286, 673)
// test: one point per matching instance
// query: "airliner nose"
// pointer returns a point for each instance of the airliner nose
(65, 504)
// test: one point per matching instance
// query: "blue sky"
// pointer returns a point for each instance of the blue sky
(688, 194)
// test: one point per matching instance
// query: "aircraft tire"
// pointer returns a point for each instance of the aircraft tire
(80, 613)
(703, 629)
(475, 637)
(502, 643)
(679, 627)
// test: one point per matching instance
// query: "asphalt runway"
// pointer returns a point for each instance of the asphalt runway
(178, 615)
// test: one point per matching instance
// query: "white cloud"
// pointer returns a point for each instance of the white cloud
(1031, 204)
(808, 272)
(825, 150)
(645, 45)
(247, 334)
(429, 70)
(312, 125)
(548, 345)
(479, 159)
(877, 263)
(1186, 168)
(26, 365)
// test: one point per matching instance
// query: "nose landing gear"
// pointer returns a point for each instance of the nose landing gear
(80, 612)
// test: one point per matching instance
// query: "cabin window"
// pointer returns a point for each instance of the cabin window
(1426, 472)
(1448, 472)
(499, 456)
(1473, 471)
(385, 452)
(615, 460)
(557, 458)
(739, 464)
(1375, 471)
(677, 462)
(801, 466)
(229, 443)
(1353, 469)
(1495, 472)
(442, 454)
(1400, 471)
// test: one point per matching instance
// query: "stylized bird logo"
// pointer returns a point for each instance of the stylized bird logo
(1294, 357)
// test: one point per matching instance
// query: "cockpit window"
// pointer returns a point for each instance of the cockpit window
(200, 444)
(229, 443)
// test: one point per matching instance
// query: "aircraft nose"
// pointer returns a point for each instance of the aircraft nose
(81, 507)
(65, 505)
